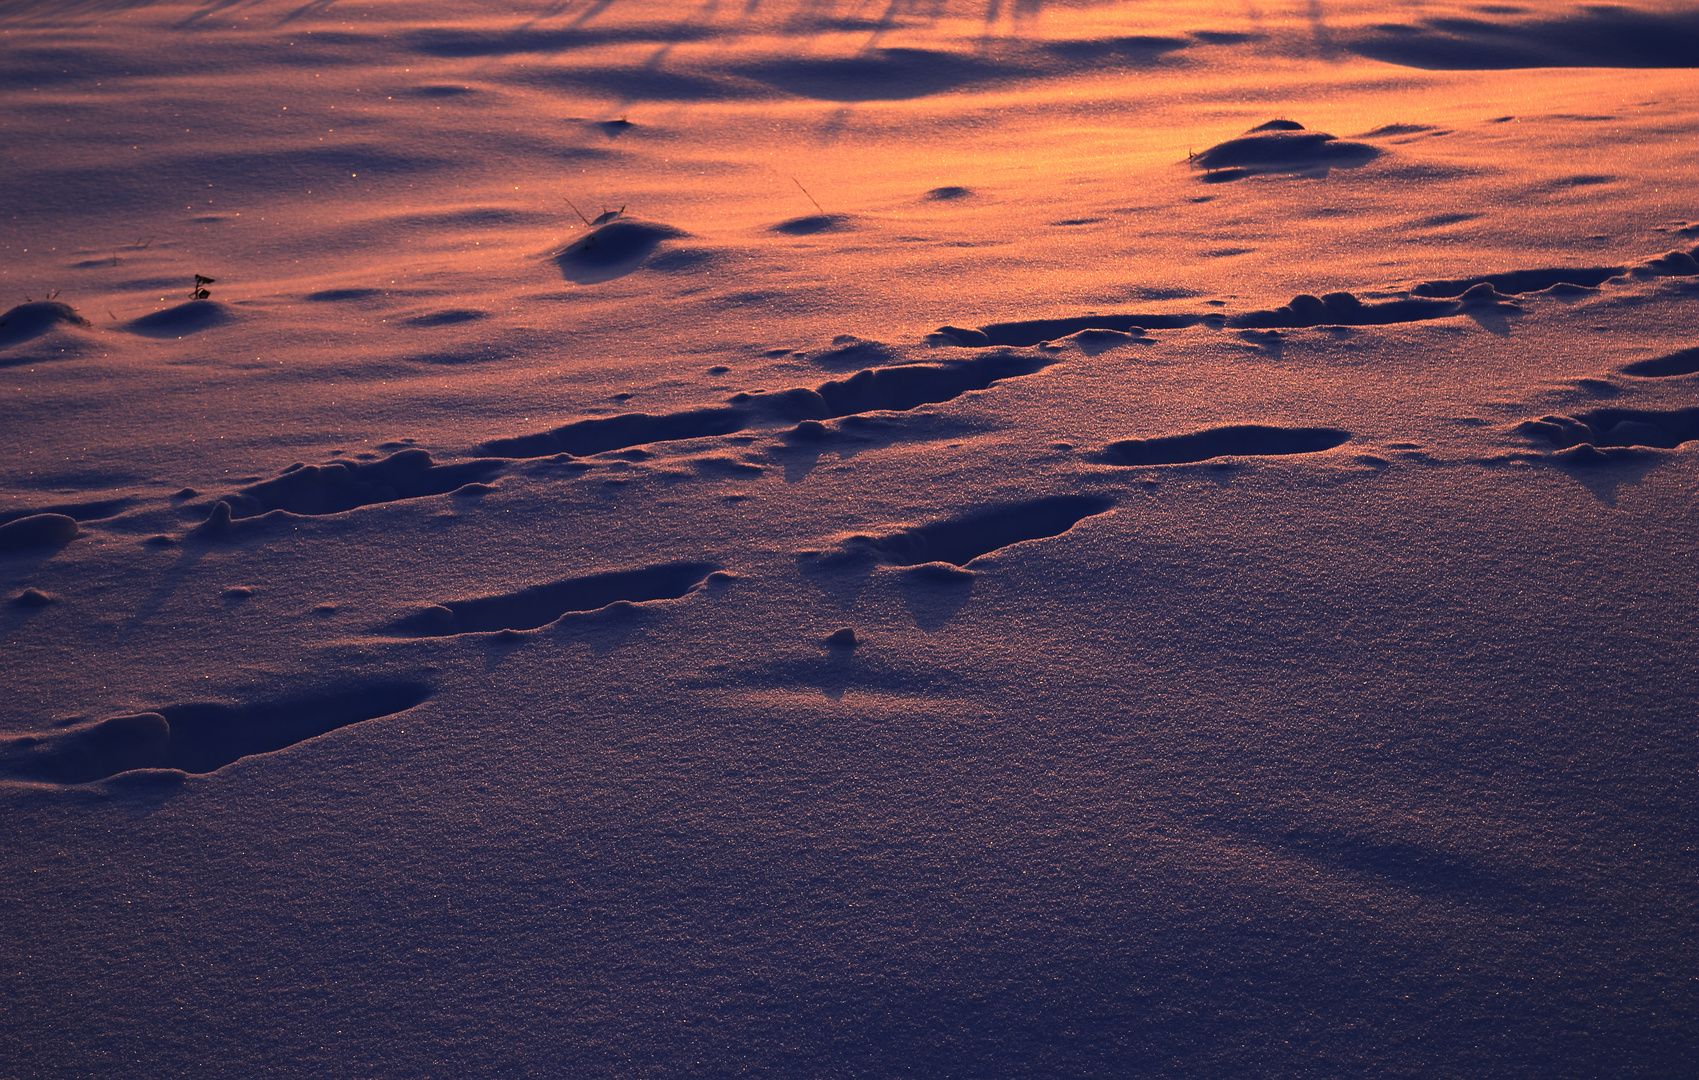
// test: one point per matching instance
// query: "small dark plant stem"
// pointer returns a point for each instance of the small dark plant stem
(810, 198)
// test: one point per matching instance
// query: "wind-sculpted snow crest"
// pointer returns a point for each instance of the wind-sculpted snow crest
(1522, 281)
(346, 485)
(198, 738)
(896, 388)
(1237, 440)
(1025, 333)
(1680, 362)
(1343, 309)
(961, 539)
(1662, 428)
(541, 605)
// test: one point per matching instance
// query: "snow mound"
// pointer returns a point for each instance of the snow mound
(31, 320)
(612, 250)
(181, 321)
(1281, 147)
(37, 531)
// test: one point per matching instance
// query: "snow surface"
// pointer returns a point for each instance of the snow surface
(831, 538)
